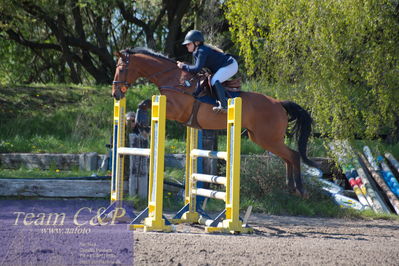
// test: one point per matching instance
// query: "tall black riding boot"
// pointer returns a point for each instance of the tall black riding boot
(221, 95)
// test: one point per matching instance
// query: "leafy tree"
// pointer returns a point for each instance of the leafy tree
(74, 40)
(64, 34)
(340, 58)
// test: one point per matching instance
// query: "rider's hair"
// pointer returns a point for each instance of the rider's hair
(213, 47)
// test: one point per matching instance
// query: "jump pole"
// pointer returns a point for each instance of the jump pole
(232, 222)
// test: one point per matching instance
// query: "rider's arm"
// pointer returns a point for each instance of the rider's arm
(200, 59)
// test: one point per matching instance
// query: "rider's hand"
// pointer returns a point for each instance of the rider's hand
(180, 64)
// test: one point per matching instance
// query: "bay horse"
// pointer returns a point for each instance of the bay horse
(265, 118)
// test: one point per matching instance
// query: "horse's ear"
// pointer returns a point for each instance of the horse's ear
(118, 54)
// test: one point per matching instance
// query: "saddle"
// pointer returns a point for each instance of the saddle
(205, 94)
(204, 87)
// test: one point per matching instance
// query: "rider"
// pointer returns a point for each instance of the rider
(223, 66)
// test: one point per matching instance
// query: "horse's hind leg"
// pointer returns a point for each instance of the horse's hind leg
(289, 176)
(293, 166)
(291, 159)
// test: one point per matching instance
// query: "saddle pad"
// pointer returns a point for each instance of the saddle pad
(208, 99)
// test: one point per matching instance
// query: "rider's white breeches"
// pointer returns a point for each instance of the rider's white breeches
(225, 73)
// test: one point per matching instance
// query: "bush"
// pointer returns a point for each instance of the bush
(337, 58)
(263, 186)
(261, 175)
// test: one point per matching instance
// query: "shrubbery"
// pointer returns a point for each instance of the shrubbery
(341, 58)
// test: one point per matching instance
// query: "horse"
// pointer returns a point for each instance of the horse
(265, 118)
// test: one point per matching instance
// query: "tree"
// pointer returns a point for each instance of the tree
(74, 40)
(75, 35)
(341, 57)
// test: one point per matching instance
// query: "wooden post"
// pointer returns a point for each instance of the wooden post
(138, 170)
(209, 142)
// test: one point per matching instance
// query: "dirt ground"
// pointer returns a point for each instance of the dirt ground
(278, 240)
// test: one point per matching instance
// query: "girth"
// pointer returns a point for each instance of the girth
(192, 120)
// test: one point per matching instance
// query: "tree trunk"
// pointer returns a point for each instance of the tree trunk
(176, 10)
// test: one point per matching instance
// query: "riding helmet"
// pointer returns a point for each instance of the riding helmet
(193, 36)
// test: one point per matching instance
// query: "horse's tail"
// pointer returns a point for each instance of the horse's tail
(302, 128)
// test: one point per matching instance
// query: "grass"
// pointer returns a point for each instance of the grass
(62, 120)
(59, 118)
(52, 173)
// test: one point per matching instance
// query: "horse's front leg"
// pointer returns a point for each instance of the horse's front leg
(142, 112)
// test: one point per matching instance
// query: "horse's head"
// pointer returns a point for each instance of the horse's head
(123, 77)
(143, 62)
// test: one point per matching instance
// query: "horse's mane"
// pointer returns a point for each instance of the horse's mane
(147, 51)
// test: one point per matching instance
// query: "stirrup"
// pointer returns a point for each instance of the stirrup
(220, 108)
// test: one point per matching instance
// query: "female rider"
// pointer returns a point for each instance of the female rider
(223, 66)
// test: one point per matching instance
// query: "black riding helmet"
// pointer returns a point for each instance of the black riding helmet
(193, 36)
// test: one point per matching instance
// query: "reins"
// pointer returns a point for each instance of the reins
(123, 85)
(172, 88)
(160, 72)
(185, 84)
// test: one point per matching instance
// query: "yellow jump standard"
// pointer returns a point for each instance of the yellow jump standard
(152, 215)
(231, 196)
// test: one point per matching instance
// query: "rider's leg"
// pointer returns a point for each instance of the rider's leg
(221, 96)
(220, 76)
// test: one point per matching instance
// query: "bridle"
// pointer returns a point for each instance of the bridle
(121, 87)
